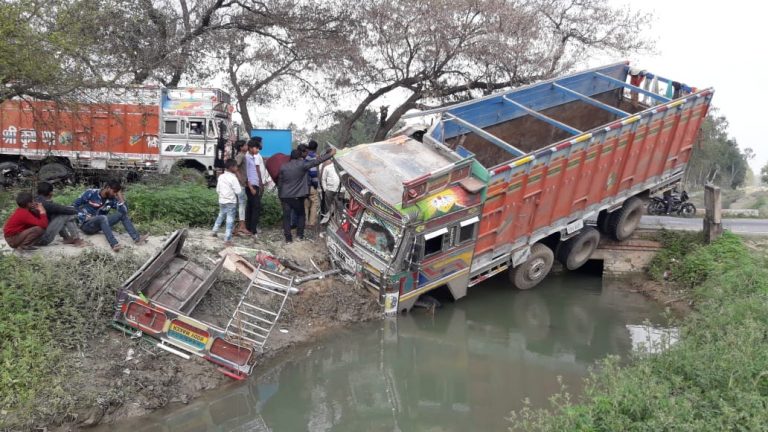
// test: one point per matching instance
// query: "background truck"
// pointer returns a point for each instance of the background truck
(511, 182)
(133, 129)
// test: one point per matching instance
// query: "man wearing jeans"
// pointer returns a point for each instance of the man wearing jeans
(254, 185)
(228, 188)
(62, 220)
(93, 208)
(293, 188)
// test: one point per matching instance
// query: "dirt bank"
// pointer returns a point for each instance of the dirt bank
(114, 376)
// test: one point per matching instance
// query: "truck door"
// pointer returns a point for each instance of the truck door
(446, 256)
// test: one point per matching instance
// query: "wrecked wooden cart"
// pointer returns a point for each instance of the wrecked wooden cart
(158, 301)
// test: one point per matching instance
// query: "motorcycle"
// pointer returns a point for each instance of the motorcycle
(680, 206)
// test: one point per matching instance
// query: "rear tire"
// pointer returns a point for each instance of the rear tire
(576, 251)
(528, 274)
(688, 210)
(624, 221)
(54, 172)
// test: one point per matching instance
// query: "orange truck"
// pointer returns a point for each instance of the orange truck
(132, 129)
(511, 181)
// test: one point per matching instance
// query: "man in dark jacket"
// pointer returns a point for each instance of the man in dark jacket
(61, 219)
(293, 188)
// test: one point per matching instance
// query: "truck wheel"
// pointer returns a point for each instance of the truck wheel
(54, 172)
(575, 252)
(602, 222)
(528, 274)
(623, 222)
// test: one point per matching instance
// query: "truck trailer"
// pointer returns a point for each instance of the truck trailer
(129, 129)
(511, 181)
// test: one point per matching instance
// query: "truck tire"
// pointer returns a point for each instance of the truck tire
(602, 222)
(575, 252)
(528, 274)
(623, 222)
(54, 172)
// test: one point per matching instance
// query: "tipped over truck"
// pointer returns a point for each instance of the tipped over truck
(512, 181)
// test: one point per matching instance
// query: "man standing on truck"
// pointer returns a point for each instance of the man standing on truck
(62, 220)
(93, 208)
(254, 186)
(293, 188)
(26, 225)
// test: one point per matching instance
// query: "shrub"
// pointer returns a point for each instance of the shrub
(714, 378)
(47, 306)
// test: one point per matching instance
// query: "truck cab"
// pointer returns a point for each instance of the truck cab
(193, 122)
(412, 219)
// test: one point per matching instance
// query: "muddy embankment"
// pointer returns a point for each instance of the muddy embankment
(116, 376)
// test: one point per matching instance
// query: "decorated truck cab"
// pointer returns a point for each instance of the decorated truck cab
(511, 182)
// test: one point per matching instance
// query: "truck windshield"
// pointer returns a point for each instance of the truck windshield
(378, 236)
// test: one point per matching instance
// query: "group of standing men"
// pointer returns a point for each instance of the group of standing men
(246, 177)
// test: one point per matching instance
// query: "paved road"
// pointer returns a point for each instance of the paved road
(738, 226)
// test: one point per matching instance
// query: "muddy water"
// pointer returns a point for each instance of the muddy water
(463, 368)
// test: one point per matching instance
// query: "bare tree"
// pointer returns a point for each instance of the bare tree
(283, 44)
(438, 52)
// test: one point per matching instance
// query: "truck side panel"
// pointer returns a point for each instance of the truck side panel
(562, 183)
(39, 129)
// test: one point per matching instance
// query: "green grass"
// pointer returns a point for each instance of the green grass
(164, 206)
(715, 378)
(48, 307)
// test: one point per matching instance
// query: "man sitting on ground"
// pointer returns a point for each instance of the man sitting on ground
(93, 209)
(26, 225)
(62, 220)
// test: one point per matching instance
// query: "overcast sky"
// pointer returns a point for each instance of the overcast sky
(720, 45)
(701, 43)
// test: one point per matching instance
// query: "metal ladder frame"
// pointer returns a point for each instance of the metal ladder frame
(263, 280)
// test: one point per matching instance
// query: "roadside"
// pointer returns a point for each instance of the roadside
(75, 371)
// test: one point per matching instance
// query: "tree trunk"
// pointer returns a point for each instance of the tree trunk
(397, 115)
(243, 105)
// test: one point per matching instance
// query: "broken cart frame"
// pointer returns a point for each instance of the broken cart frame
(159, 298)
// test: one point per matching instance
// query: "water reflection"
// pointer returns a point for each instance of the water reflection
(463, 368)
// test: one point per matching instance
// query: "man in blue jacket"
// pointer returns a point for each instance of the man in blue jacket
(93, 208)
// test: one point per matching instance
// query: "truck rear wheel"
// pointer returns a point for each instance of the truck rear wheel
(54, 172)
(575, 252)
(528, 274)
(624, 221)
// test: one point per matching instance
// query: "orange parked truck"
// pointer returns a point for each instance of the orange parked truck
(511, 182)
(133, 129)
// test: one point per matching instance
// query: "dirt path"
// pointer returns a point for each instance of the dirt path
(116, 376)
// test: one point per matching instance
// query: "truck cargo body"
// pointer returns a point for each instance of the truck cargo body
(506, 181)
(130, 129)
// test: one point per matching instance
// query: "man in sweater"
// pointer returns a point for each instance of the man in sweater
(293, 188)
(228, 188)
(93, 208)
(62, 220)
(27, 223)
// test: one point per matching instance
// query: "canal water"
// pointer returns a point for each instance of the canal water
(462, 368)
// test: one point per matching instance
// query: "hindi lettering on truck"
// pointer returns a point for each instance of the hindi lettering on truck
(134, 129)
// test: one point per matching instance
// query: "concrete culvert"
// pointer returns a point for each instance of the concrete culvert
(575, 252)
(623, 222)
(528, 274)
